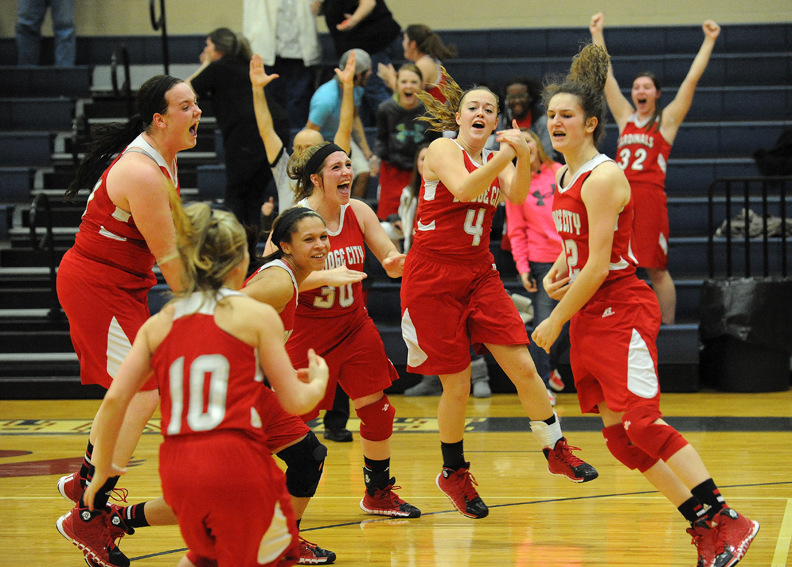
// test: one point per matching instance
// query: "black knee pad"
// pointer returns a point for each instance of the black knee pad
(304, 465)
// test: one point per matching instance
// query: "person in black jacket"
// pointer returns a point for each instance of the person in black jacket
(223, 77)
(367, 25)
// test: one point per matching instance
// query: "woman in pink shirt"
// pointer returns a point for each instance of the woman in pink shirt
(535, 245)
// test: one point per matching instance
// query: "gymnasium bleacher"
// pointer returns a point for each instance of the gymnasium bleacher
(743, 103)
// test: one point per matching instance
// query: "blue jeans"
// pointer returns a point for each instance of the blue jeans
(30, 16)
(543, 305)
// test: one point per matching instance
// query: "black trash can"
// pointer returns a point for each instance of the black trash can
(746, 334)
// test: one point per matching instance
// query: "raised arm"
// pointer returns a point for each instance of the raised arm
(343, 136)
(620, 107)
(675, 112)
(258, 80)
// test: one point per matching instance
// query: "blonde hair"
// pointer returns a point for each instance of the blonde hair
(586, 81)
(210, 242)
(442, 116)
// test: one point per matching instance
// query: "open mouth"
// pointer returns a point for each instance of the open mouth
(478, 125)
(194, 129)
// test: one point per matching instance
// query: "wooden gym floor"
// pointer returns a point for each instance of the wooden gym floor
(536, 519)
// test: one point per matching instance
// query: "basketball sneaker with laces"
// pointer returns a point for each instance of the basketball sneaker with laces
(561, 461)
(705, 537)
(735, 534)
(70, 487)
(312, 554)
(385, 502)
(88, 530)
(458, 486)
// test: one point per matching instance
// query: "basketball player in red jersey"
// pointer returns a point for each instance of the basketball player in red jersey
(331, 316)
(646, 134)
(300, 235)
(452, 296)
(125, 229)
(615, 317)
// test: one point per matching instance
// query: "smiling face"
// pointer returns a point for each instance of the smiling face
(407, 84)
(182, 116)
(519, 100)
(477, 115)
(334, 180)
(645, 95)
(309, 244)
(567, 123)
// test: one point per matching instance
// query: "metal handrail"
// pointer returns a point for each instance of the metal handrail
(122, 53)
(160, 24)
(41, 201)
(764, 185)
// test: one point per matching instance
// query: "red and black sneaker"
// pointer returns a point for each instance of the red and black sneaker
(385, 502)
(312, 554)
(458, 486)
(735, 534)
(88, 530)
(561, 461)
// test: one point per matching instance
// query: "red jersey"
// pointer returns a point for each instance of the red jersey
(643, 153)
(209, 381)
(447, 226)
(571, 221)
(287, 315)
(347, 248)
(107, 233)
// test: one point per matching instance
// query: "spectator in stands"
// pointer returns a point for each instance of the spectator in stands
(223, 78)
(284, 33)
(524, 104)
(452, 298)
(535, 245)
(399, 135)
(366, 25)
(326, 112)
(30, 16)
(646, 134)
(615, 317)
(126, 227)
(423, 47)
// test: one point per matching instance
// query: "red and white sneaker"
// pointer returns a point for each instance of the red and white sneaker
(385, 502)
(312, 554)
(561, 461)
(735, 534)
(458, 486)
(88, 530)
(705, 538)
(70, 487)
(555, 381)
